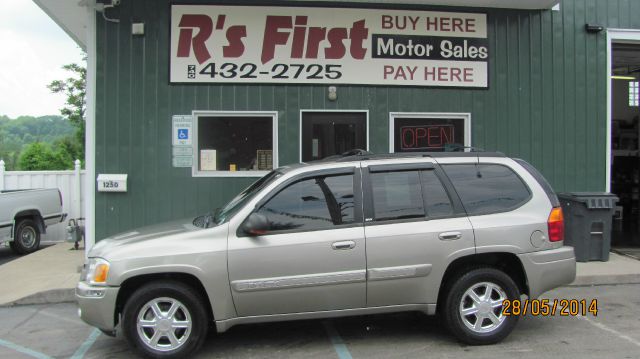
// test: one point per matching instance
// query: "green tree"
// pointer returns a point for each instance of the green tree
(74, 87)
(36, 156)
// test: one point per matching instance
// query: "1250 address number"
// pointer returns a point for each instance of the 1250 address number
(229, 70)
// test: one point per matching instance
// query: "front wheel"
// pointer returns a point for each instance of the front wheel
(27, 237)
(473, 307)
(165, 320)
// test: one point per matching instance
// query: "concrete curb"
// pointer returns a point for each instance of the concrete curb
(606, 280)
(53, 296)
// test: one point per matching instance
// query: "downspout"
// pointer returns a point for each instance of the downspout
(90, 132)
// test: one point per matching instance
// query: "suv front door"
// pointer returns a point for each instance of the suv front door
(313, 256)
(414, 227)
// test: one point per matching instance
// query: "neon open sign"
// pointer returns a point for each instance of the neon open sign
(425, 137)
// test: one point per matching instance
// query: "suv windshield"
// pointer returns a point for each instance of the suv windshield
(225, 213)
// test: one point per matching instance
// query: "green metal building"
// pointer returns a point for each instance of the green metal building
(192, 121)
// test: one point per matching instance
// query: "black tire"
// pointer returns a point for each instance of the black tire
(166, 292)
(27, 237)
(492, 329)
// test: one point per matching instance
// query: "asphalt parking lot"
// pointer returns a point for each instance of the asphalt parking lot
(54, 331)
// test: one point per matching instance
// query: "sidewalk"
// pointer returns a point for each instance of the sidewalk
(46, 276)
(50, 275)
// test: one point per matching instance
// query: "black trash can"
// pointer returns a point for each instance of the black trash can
(587, 218)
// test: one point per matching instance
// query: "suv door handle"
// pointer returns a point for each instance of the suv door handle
(450, 236)
(343, 245)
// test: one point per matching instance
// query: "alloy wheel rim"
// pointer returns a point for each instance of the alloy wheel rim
(481, 307)
(164, 324)
(28, 237)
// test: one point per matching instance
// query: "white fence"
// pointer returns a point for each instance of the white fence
(70, 184)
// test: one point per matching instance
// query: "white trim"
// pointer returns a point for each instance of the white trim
(90, 132)
(366, 112)
(195, 172)
(466, 116)
(614, 35)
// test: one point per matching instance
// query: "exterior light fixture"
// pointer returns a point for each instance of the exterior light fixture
(137, 28)
(332, 93)
(623, 78)
(593, 29)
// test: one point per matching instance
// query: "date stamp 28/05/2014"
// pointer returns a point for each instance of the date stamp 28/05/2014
(550, 307)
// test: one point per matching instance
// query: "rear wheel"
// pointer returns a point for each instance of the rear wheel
(165, 320)
(27, 237)
(473, 306)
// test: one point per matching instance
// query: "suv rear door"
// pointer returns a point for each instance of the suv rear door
(414, 227)
(312, 258)
(502, 207)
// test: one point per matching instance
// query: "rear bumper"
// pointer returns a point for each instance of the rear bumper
(549, 269)
(97, 305)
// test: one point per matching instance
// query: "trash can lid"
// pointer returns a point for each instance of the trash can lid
(593, 200)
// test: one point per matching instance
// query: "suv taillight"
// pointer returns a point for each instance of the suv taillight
(60, 196)
(556, 225)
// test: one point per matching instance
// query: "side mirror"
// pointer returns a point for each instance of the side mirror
(255, 225)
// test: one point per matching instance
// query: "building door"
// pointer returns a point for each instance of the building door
(625, 144)
(326, 134)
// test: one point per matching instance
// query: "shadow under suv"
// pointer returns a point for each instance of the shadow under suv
(453, 233)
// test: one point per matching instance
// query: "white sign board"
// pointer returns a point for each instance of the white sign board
(182, 130)
(208, 160)
(182, 161)
(112, 182)
(306, 45)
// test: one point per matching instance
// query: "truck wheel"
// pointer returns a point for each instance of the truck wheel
(27, 237)
(165, 320)
(473, 306)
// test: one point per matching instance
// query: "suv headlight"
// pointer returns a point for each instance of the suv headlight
(97, 271)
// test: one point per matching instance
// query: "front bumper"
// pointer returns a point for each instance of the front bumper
(549, 269)
(97, 305)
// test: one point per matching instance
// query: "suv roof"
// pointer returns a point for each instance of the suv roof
(362, 155)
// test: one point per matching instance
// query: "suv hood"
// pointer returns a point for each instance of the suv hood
(144, 234)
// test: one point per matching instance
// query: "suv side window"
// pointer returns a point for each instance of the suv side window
(312, 204)
(436, 197)
(396, 195)
(487, 188)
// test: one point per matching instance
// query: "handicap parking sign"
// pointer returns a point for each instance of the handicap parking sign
(182, 127)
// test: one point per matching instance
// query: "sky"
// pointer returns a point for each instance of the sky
(33, 50)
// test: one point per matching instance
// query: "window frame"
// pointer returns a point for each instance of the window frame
(302, 111)
(195, 168)
(341, 171)
(420, 167)
(634, 93)
(510, 209)
(466, 116)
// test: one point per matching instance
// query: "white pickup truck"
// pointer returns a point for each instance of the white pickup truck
(25, 215)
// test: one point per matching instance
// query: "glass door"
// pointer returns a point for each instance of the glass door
(330, 133)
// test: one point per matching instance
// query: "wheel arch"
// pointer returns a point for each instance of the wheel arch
(32, 214)
(507, 262)
(130, 285)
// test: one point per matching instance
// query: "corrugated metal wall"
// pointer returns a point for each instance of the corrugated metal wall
(546, 103)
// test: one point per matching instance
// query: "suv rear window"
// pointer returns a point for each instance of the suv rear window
(487, 188)
(541, 180)
(397, 195)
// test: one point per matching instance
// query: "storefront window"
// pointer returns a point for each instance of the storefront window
(420, 132)
(235, 144)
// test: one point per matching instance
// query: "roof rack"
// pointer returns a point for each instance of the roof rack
(362, 155)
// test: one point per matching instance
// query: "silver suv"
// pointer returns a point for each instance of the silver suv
(447, 233)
